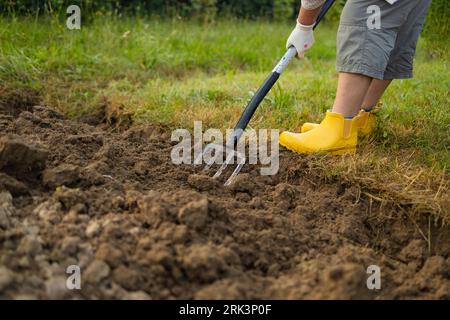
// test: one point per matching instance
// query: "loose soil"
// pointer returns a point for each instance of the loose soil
(139, 227)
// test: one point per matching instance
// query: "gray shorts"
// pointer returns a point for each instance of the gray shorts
(384, 53)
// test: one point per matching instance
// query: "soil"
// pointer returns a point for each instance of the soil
(139, 227)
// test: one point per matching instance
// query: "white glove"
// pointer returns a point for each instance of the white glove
(302, 38)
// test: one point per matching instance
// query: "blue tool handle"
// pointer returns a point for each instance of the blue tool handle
(269, 83)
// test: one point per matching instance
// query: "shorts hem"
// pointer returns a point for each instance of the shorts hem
(392, 76)
(359, 69)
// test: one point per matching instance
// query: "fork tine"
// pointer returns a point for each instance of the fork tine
(224, 165)
(212, 160)
(236, 171)
(231, 153)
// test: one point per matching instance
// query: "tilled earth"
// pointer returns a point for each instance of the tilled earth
(140, 227)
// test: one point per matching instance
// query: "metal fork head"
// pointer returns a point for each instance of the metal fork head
(214, 154)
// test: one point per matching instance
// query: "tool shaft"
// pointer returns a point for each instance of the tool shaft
(269, 83)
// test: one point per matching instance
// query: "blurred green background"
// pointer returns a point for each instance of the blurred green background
(437, 27)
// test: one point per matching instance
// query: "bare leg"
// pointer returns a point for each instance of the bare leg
(352, 89)
(376, 90)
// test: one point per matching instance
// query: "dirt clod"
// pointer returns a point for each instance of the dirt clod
(127, 278)
(416, 251)
(64, 174)
(15, 187)
(30, 245)
(243, 183)
(109, 254)
(194, 214)
(204, 262)
(49, 211)
(69, 245)
(96, 272)
(93, 229)
(202, 182)
(19, 158)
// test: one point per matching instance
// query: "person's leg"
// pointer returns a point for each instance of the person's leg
(363, 54)
(351, 91)
(374, 93)
(367, 116)
(366, 53)
(356, 90)
(338, 132)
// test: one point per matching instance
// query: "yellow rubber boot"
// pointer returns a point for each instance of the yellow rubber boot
(367, 121)
(307, 126)
(335, 135)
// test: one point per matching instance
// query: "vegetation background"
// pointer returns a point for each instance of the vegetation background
(173, 62)
(207, 10)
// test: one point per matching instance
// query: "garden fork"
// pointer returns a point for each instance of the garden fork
(230, 147)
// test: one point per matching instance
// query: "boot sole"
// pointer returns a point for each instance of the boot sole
(335, 152)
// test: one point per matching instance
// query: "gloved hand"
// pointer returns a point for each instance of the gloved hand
(302, 38)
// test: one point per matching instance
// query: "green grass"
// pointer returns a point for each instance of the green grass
(174, 72)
